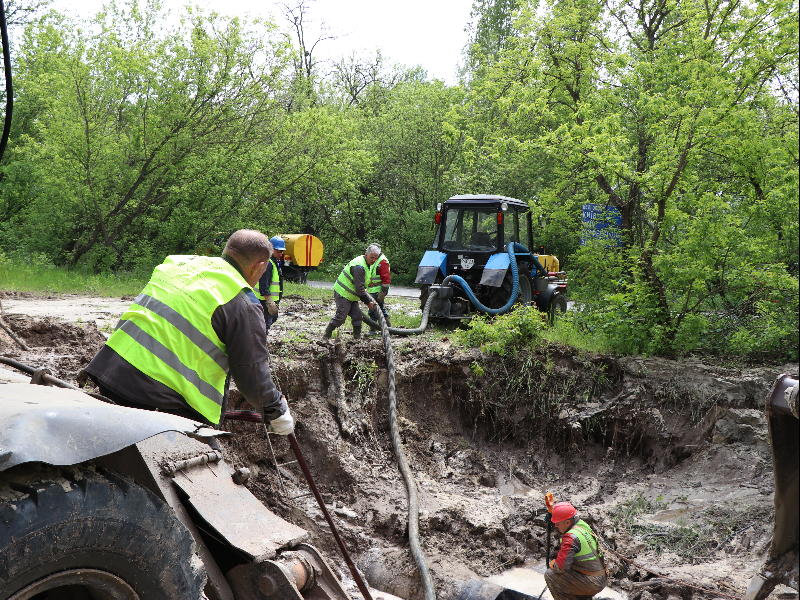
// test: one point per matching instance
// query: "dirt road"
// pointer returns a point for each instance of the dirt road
(403, 292)
(668, 460)
(77, 309)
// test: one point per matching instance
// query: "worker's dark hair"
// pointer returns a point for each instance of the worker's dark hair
(251, 245)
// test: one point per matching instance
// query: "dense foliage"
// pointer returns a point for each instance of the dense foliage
(133, 139)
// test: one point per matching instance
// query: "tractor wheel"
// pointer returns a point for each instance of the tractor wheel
(73, 533)
(525, 294)
(525, 289)
(558, 306)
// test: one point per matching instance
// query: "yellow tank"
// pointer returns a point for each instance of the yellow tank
(548, 261)
(302, 250)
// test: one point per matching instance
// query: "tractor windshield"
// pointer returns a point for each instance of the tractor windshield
(469, 228)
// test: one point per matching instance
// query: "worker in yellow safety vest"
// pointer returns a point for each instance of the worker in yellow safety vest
(380, 278)
(196, 323)
(579, 569)
(270, 287)
(350, 287)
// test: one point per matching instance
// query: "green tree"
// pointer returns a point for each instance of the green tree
(138, 134)
(666, 110)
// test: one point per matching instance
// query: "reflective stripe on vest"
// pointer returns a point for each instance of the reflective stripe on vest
(257, 292)
(589, 550)
(274, 290)
(373, 277)
(167, 333)
(345, 285)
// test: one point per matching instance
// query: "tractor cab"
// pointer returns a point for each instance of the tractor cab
(477, 226)
(472, 238)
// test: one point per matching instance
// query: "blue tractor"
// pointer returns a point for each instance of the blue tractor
(481, 260)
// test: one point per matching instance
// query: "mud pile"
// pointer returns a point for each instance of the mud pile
(59, 345)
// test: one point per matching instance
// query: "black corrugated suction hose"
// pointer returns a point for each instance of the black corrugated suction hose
(411, 484)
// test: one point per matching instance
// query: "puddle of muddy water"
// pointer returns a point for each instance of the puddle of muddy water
(675, 516)
(514, 488)
(529, 579)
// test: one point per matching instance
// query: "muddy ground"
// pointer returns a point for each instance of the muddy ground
(668, 460)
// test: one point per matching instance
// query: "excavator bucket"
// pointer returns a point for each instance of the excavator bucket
(784, 434)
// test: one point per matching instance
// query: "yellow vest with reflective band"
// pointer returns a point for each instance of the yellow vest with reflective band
(373, 277)
(274, 282)
(167, 332)
(274, 290)
(345, 285)
(589, 550)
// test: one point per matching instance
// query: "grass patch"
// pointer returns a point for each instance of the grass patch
(363, 375)
(567, 332)
(507, 333)
(40, 275)
(707, 532)
(526, 327)
(306, 291)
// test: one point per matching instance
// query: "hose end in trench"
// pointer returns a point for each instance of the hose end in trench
(483, 590)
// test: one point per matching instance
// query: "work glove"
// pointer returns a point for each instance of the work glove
(283, 425)
(272, 307)
(383, 293)
(553, 564)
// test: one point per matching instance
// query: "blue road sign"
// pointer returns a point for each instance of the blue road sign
(601, 222)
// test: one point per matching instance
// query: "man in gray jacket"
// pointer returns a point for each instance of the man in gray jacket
(196, 324)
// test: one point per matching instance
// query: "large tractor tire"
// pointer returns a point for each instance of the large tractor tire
(500, 296)
(558, 306)
(74, 533)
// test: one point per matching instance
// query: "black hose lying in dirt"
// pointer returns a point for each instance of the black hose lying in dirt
(423, 324)
(411, 484)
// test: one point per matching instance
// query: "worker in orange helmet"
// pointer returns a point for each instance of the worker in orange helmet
(579, 570)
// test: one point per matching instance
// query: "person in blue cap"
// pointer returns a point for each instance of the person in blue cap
(270, 286)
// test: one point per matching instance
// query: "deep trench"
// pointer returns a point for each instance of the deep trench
(522, 420)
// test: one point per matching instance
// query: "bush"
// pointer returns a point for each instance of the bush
(507, 333)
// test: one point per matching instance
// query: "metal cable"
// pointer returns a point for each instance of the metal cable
(411, 484)
(9, 85)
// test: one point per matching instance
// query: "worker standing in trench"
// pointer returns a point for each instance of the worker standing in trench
(579, 570)
(196, 323)
(270, 286)
(350, 287)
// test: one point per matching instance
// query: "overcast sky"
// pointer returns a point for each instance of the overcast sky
(429, 33)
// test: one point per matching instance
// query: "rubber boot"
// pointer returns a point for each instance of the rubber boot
(329, 331)
(356, 331)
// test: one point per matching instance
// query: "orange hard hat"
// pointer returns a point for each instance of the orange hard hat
(563, 511)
